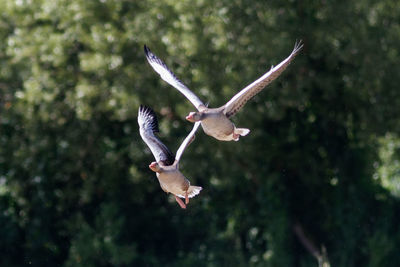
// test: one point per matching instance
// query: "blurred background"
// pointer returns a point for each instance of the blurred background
(315, 183)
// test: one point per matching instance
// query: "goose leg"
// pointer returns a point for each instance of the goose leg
(180, 202)
(186, 198)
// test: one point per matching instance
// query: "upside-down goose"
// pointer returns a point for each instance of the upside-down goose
(166, 166)
(215, 121)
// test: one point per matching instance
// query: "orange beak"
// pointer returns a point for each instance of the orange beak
(152, 165)
(189, 117)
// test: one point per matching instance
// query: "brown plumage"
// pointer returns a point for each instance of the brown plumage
(166, 166)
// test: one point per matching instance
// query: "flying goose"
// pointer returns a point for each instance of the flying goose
(166, 166)
(215, 121)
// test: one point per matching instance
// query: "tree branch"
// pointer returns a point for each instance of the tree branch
(321, 256)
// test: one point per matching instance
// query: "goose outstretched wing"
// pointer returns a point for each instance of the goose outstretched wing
(167, 75)
(187, 141)
(240, 99)
(148, 125)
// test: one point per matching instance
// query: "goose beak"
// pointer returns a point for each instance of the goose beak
(152, 166)
(189, 117)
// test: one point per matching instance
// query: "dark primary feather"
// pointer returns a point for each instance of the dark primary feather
(153, 58)
(150, 118)
(148, 124)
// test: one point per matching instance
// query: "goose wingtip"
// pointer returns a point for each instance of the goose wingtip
(147, 51)
(298, 45)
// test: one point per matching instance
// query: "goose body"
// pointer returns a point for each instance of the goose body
(166, 166)
(217, 125)
(216, 121)
(172, 180)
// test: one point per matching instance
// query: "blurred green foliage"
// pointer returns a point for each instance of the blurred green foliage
(75, 189)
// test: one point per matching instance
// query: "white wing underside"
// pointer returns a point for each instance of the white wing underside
(240, 99)
(167, 75)
(157, 148)
(187, 141)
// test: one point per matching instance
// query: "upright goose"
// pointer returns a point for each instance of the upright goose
(166, 166)
(215, 121)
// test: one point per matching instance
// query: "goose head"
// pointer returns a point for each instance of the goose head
(194, 116)
(155, 167)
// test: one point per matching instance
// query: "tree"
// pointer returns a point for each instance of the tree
(75, 189)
